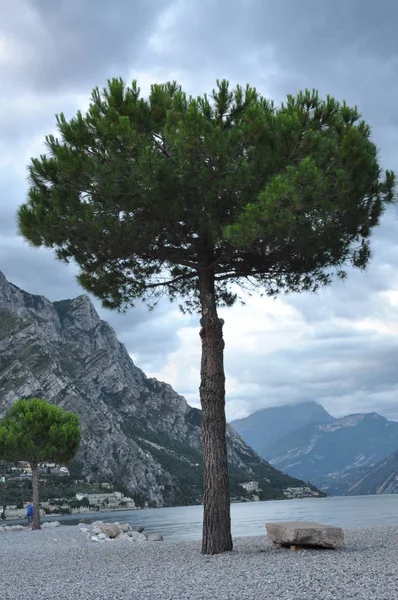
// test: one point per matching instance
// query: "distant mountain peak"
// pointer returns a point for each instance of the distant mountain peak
(264, 427)
(375, 416)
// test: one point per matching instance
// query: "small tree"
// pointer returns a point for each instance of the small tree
(185, 196)
(36, 431)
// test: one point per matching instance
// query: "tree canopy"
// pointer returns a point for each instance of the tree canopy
(36, 431)
(142, 193)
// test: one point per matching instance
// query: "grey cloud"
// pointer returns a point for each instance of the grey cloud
(77, 43)
(347, 49)
(330, 367)
(360, 295)
(149, 335)
(36, 270)
(63, 48)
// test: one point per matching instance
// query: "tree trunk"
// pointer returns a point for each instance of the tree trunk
(216, 518)
(35, 493)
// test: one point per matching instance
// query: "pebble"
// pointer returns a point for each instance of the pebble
(74, 568)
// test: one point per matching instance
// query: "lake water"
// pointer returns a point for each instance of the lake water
(248, 518)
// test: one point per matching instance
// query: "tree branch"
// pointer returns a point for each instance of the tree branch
(159, 145)
(170, 281)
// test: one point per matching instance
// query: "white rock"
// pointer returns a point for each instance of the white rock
(141, 538)
(97, 523)
(94, 538)
(51, 524)
(96, 530)
(124, 527)
(154, 537)
(102, 536)
(110, 529)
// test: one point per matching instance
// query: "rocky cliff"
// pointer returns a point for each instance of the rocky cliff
(381, 479)
(137, 431)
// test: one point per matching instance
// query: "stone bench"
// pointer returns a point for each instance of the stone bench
(297, 534)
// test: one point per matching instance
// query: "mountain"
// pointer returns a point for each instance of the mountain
(381, 479)
(336, 455)
(263, 428)
(137, 431)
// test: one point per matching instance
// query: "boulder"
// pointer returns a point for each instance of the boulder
(124, 527)
(302, 533)
(155, 537)
(139, 529)
(50, 524)
(110, 529)
(97, 523)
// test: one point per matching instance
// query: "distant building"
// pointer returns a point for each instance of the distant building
(299, 492)
(49, 468)
(106, 485)
(250, 486)
(110, 500)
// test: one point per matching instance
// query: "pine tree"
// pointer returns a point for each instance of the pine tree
(185, 197)
(36, 431)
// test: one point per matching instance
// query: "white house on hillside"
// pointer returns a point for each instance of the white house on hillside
(250, 486)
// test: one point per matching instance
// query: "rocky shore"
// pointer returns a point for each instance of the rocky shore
(64, 563)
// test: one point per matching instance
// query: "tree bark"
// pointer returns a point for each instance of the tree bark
(35, 493)
(216, 518)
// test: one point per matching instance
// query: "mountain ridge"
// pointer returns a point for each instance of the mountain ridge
(264, 427)
(382, 478)
(336, 454)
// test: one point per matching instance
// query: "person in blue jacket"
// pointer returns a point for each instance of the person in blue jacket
(29, 513)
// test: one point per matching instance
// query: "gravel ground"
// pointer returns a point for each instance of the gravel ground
(62, 564)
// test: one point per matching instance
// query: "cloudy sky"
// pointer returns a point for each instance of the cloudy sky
(339, 347)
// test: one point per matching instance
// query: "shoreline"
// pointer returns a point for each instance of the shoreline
(71, 517)
(65, 565)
